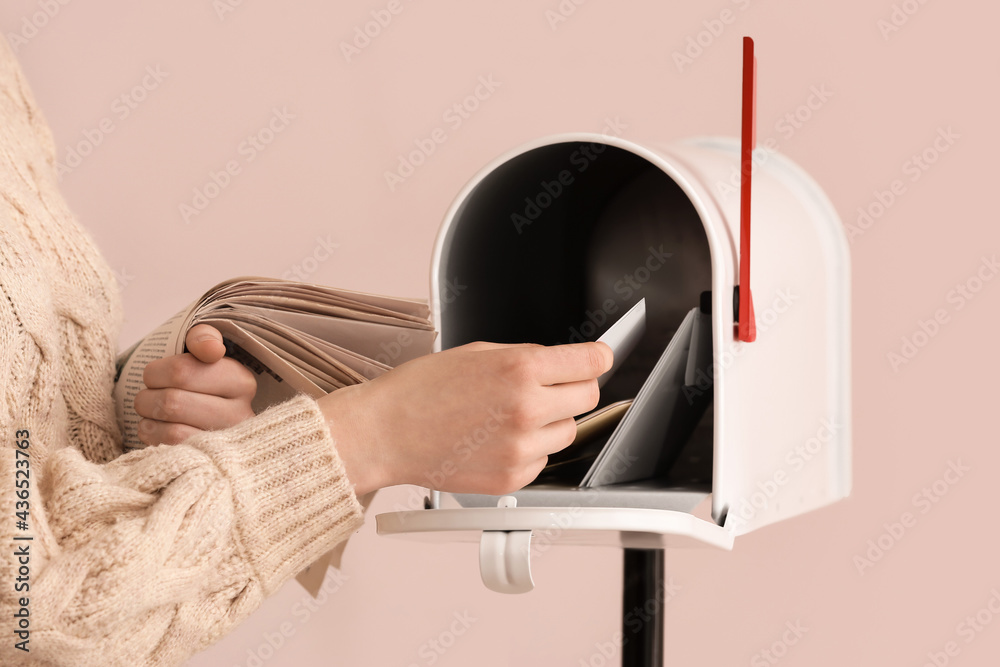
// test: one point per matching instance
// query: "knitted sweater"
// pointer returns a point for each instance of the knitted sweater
(143, 558)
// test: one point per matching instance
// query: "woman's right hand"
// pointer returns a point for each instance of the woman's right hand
(479, 418)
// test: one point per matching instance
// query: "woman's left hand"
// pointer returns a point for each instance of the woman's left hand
(200, 390)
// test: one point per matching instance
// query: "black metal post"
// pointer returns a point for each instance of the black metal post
(642, 608)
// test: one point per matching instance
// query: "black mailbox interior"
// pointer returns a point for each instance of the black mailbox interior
(557, 243)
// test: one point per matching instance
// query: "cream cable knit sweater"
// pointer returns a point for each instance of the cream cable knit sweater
(148, 557)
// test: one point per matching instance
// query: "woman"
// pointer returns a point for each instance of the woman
(147, 557)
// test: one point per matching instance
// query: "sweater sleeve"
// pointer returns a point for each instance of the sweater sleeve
(153, 556)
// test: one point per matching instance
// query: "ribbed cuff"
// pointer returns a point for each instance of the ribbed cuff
(292, 498)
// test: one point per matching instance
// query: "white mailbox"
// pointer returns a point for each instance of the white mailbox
(553, 241)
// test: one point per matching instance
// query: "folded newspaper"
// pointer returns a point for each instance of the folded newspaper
(296, 338)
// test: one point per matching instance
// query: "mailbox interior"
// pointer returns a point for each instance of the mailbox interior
(552, 247)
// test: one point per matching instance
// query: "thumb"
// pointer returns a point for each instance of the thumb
(205, 343)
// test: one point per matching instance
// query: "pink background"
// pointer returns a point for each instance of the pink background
(322, 179)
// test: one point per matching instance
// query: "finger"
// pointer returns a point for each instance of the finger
(153, 432)
(558, 435)
(532, 471)
(202, 411)
(481, 345)
(569, 399)
(205, 343)
(227, 378)
(571, 362)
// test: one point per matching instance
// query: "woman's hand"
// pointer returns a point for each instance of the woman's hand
(200, 390)
(480, 418)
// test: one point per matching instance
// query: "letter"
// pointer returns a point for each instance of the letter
(349, 51)
(220, 178)
(187, 212)
(246, 149)
(361, 38)
(885, 197)
(876, 551)
(795, 461)
(529, 207)
(955, 299)
(553, 18)
(578, 161)
(659, 254)
(948, 135)
(615, 126)
(403, 167)
(896, 530)
(222, 8)
(784, 127)
(632, 623)
(275, 639)
(921, 503)
(426, 146)
(726, 189)
(435, 478)
(553, 188)
(519, 221)
(912, 170)
(22, 646)
(714, 26)
(439, 136)
(452, 119)
(937, 658)
(489, 83)
(991, 264)
(394, 6)
(622, 289)
(598, 317)
(382, 16)
(566, 177)
(466, 619)
(693, 49)
(958, 467)
(930, 327)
